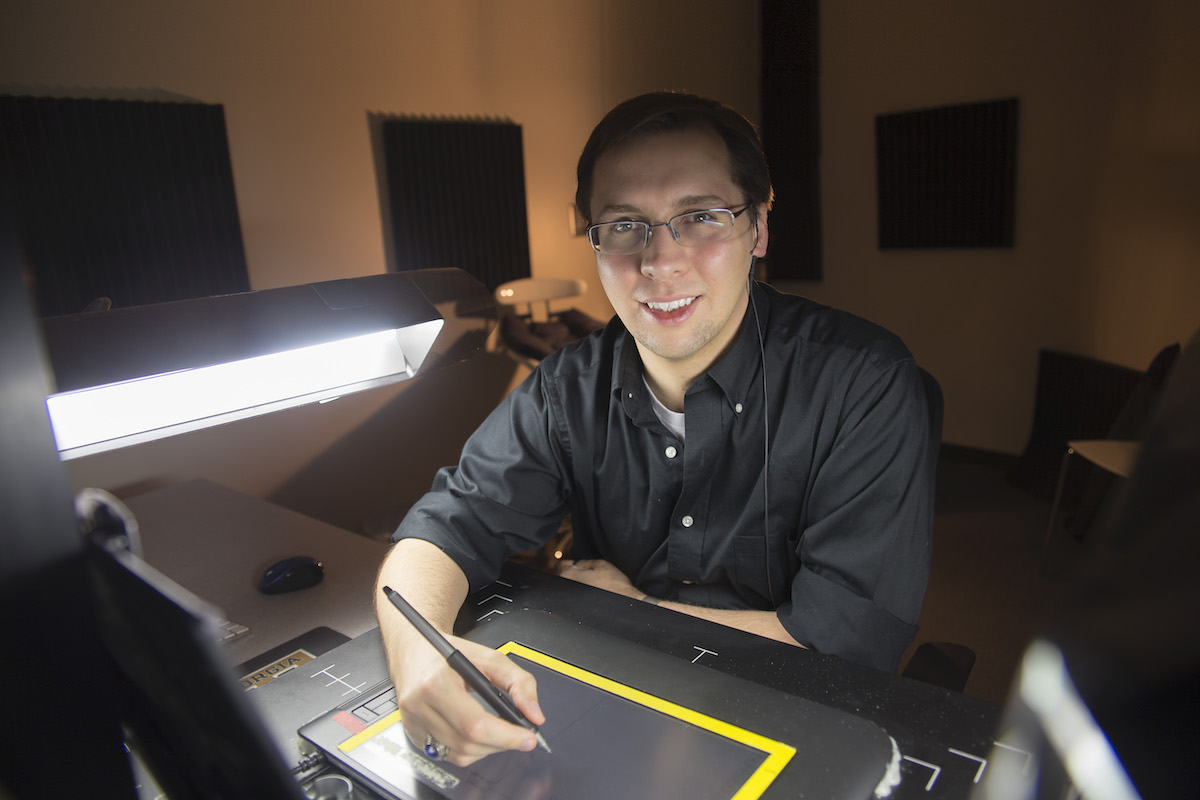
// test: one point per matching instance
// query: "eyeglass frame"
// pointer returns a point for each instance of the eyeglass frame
(674, 235)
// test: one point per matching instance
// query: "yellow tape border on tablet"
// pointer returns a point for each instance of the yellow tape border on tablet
(778, 753)
(366, 733)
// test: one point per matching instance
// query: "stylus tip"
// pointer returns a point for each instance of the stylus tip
(542, 741)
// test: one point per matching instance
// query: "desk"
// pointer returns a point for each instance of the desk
(945, 737)
(216, 542)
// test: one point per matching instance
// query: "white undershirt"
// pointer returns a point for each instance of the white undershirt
(672, 419)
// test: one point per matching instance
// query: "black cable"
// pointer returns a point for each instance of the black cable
(762, 365)
(309, 763)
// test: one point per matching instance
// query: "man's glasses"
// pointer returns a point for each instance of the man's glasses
(693, 229)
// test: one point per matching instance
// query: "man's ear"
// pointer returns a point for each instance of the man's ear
(760, 242)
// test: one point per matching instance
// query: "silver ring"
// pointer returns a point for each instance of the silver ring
(434, 749)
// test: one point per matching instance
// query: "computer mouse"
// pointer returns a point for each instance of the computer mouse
(291, 574)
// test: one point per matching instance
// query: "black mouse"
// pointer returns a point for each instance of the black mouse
(291, 574)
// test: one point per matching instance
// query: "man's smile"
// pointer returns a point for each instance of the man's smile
(670, 305)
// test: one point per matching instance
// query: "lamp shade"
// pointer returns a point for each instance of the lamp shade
(132, 375)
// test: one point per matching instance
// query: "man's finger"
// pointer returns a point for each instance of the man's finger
(506, 675)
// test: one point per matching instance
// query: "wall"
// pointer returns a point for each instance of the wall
(1107, 252)
(1107, 261)
(1147, 251)
(297, 79)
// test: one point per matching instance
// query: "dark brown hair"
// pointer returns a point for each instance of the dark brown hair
(664, 112)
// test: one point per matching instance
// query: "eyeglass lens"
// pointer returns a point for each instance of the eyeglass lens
(694, 229)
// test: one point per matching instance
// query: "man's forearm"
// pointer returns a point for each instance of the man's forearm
(425, 577)
(603, 575)
(762, 623)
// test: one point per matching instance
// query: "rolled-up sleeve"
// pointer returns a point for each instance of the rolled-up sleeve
(865, 540)
(506, 495)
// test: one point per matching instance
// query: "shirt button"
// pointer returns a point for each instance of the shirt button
(672, 452)
(687, 521)
(738, 408)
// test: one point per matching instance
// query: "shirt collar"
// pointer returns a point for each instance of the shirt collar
(628, 385)
(734, 370)
(731, 373)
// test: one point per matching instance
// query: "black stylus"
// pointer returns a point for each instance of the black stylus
(491, 694)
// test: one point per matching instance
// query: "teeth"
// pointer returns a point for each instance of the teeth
(671, 306)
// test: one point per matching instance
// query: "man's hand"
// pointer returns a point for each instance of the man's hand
(433, 698)
(434, 701)
(601, 574)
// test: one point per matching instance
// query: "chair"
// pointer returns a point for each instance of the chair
(944, 664)
(1077, 397)
(1113, 451)
(1115, 456)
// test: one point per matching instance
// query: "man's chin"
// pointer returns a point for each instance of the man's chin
(668, 348)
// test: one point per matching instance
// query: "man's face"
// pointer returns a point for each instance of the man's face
(682, 305)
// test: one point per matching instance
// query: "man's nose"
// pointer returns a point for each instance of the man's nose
(662, 257)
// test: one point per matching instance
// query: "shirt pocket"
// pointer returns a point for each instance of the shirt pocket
(763, 567)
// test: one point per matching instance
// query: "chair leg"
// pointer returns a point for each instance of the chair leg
(944, 664)
(1058, 489)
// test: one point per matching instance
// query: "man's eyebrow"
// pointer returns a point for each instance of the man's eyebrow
(695, 201)
(617, 209)
(701, 200)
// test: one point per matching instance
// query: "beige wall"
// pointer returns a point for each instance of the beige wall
(1107, 260)
(297, 79)
(1107, 257)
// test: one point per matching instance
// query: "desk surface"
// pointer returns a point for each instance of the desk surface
(945, 738)
(216, 542)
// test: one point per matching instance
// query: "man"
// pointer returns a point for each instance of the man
(723, 450)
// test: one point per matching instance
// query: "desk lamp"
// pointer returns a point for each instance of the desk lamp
(132, 375)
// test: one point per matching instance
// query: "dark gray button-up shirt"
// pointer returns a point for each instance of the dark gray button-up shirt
(833, 532)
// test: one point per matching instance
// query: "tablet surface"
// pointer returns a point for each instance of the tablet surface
(624, 721)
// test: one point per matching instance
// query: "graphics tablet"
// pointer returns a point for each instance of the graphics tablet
(623, 721)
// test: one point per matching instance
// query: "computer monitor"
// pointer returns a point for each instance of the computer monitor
(184, 715)
(48, 639)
